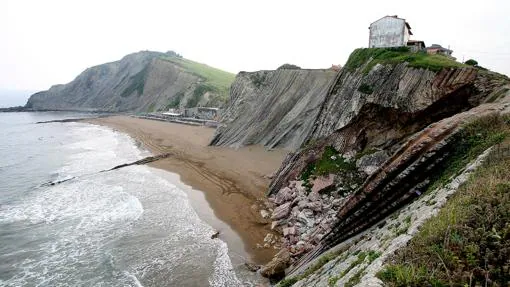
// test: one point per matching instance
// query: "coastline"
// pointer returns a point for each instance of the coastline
(232, 181)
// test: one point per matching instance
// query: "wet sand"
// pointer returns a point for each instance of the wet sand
(231, 180)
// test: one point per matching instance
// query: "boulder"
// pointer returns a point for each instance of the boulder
(275, 224)
(300, 188)
(281, 211)
(323, 183)
(371, 162)
(284, 195)
(315, 206)
(314, 196)
(303, 204)
(306, 217)
(289, 231)
(276, 267)
(264, 213)
(252, 267)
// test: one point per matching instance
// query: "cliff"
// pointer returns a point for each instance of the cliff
(273, 108)
(139, 82)
(391, 131)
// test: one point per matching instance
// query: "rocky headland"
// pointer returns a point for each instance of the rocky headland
(391, 131)
(140, 82)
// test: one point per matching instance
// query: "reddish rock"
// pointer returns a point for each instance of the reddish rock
(276, 267)
(284, 195)
(315, 206)
(322, 183)
(281, 211)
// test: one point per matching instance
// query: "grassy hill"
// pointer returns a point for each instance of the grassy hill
(215, 79)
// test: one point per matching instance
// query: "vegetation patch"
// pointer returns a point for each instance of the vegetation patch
(332, 281)
(355, 279)
(288, 67)
(474, 138)
(365, 89)
(468, 242)
(198, 93)
(358, 261)
(218, 79)
(287, 282)
(137, 84)
(258, 79)
(394, 56)
(330, 162)
(175, 102)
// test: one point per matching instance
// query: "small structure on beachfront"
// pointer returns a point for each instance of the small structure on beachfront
(205, 113)
(392, 31)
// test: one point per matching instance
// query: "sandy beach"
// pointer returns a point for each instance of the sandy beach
(231, 180)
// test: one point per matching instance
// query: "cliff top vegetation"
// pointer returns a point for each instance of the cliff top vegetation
(214, 78)
(398, 55)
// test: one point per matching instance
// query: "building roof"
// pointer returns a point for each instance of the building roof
(396, 17)
(439, 47)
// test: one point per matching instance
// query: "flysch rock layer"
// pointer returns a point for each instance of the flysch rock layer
(409, 123)
(273, 108)
(383, 239)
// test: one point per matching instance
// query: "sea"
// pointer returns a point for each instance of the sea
(65, 220)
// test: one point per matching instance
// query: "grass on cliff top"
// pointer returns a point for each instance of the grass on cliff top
(468, 242)
(214, 78)
(396, 56)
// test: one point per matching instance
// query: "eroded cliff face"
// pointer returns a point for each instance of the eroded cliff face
(396, 102)
(273, 108)
(377, 142)
(139, 82)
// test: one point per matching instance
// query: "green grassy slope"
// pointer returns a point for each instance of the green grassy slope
(468, 242)
(214, 79)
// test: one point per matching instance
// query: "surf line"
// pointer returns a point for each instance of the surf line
(142, 161)
(146, 160)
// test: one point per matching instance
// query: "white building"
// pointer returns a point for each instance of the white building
(389, 31)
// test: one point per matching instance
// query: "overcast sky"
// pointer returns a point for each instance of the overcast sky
(50, 42)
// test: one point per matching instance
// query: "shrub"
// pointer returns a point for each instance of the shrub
(471, 62)
(198, 93)
(365, 89)
(137, 84)
(288, 67)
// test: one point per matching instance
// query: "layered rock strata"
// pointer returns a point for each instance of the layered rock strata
(396, 135)
(273, 108)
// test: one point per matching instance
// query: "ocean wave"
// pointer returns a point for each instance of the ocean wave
(125, 227)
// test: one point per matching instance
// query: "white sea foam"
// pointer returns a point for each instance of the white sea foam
(117, 228)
